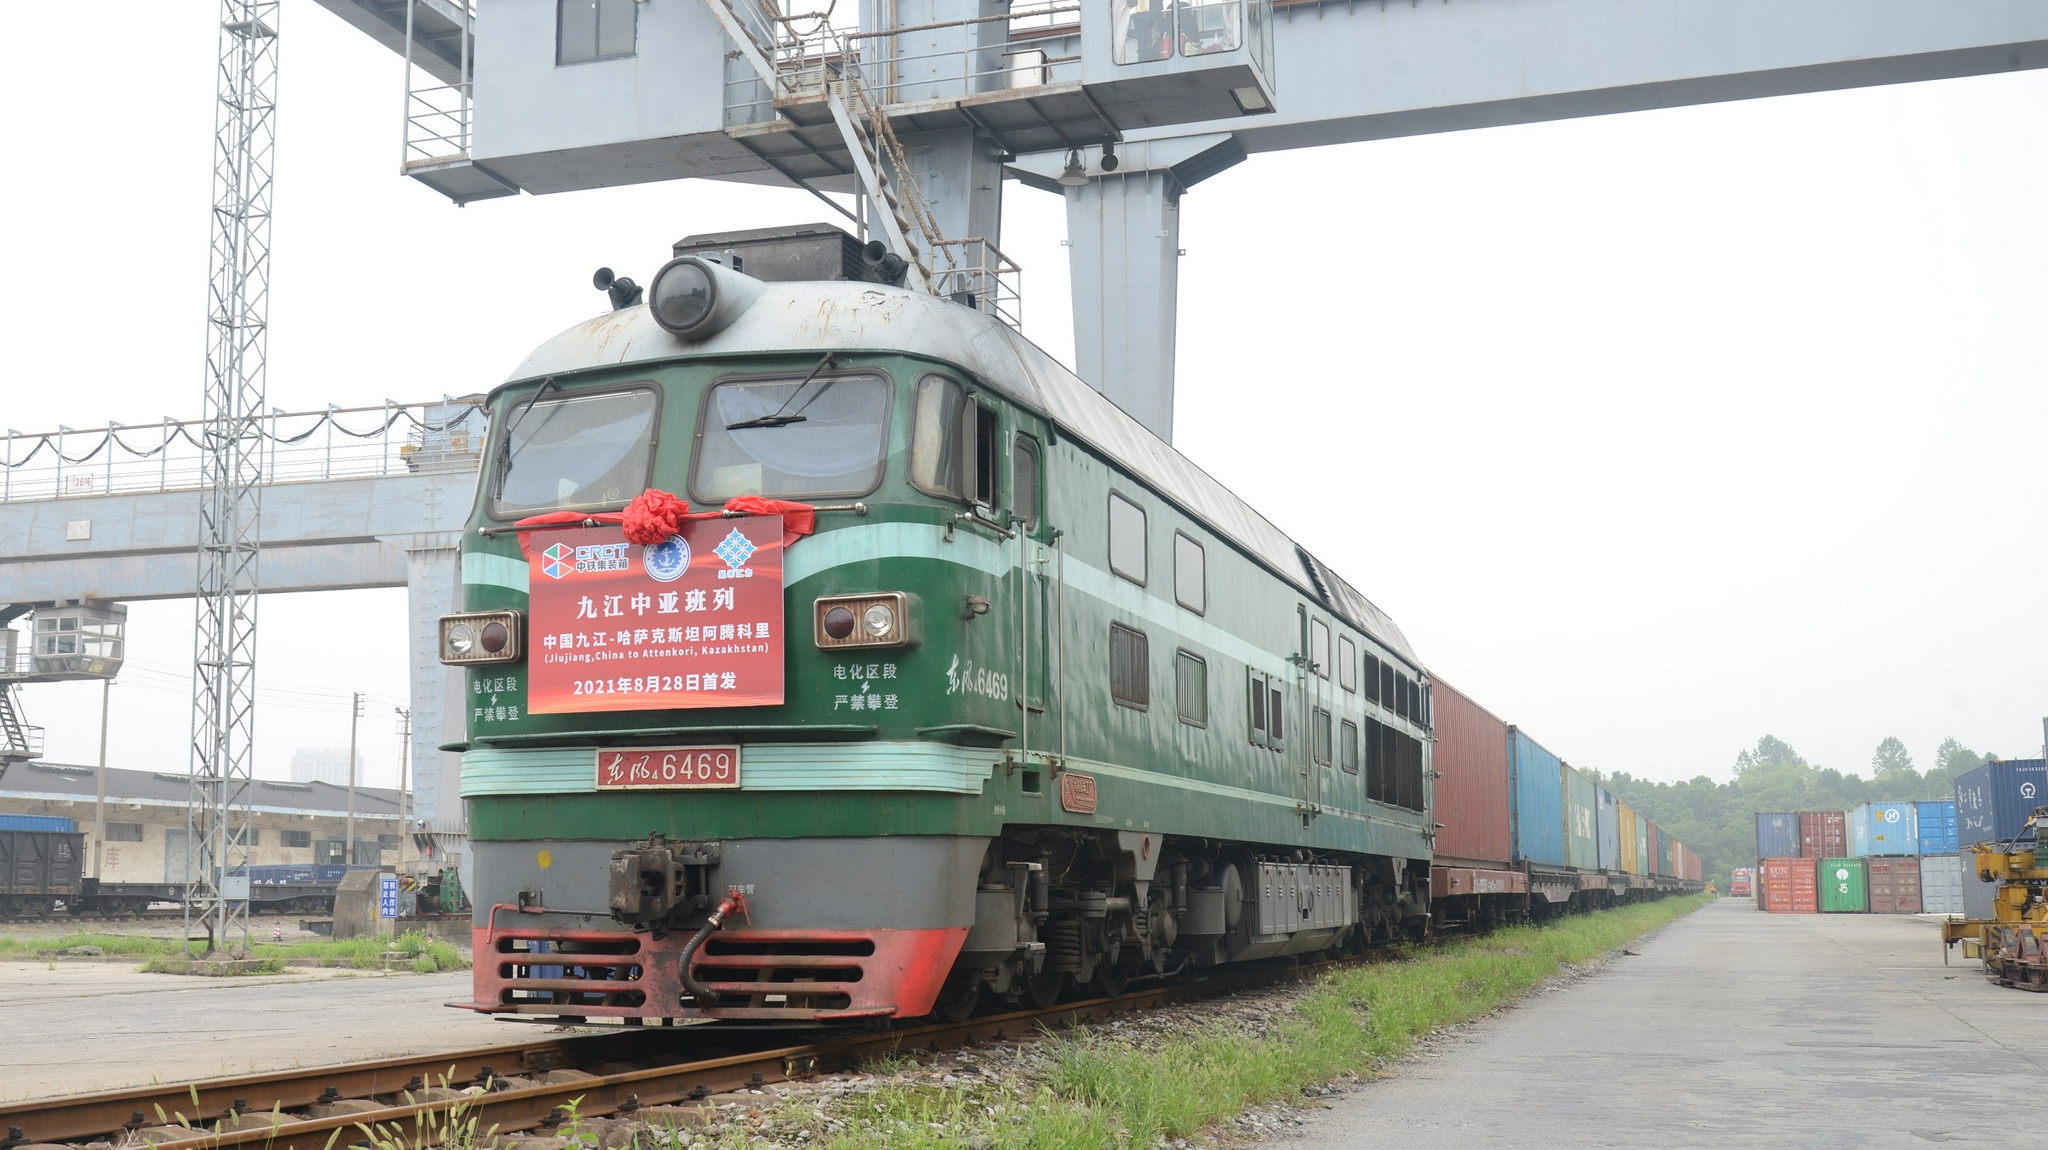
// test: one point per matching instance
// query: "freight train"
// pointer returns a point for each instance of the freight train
(832, 653)
(42, 872)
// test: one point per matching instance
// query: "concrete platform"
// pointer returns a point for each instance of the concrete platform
(100, 1026)
(1733, 1028)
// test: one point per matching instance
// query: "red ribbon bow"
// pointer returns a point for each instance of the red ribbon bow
(654, 515)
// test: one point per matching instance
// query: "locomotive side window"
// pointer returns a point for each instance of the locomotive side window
(1191, 688)
(1276, 734)
(1319, 647)
(1372, 679)
(1422, 708)
(1127, 539)
(1267, 728)
(1375, 761)
(986, 454)
(574, 452)
(1024, 479)
(1190, 574)
(1387, 674)
(1319, 736)
(809, 437)
(1347, 663)
(1130, 667)
(1347, 746)
(1257, 695)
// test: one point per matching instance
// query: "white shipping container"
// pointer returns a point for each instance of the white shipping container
(1941, 884)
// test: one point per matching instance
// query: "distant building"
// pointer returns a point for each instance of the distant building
(325, 765)
(146, 840)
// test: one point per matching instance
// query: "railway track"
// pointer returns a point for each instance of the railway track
(528, 1083)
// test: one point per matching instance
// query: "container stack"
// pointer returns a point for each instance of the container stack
(1786, 886)
(1884, 841)
(1784, 879)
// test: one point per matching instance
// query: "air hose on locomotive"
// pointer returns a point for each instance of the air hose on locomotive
(705, 996)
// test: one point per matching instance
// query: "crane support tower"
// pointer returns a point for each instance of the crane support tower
(238, 307)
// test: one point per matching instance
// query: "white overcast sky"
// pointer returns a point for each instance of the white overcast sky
(1655, 432)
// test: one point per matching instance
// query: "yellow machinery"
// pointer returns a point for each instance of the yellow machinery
(2011, 943)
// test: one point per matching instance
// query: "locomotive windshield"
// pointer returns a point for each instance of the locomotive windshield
(795, 437)
(575, 452)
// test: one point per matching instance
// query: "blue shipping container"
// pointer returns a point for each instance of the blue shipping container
(1536, 816)
(1884, 829)
(1937, 827)
(1608, 816)
(57, 823)
(1777, 835)
(1994, 801)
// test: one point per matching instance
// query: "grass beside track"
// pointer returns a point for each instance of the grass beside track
(1103, 1092)
(423, 954)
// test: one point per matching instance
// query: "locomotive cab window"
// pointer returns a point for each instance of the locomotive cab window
(1127, 539)
(1347, 746)
(823, 435)
(953, 443)
(1347, 663)
(1319, 737)
(1130, 667)
(574, 452)
(1319, 647)
(1190, 574)
(1024, 480)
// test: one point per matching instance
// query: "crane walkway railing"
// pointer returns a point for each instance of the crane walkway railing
(295, 447)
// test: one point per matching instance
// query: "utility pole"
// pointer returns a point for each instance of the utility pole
(231, 465)
(355, 712)
(404, 761)
(99, 806)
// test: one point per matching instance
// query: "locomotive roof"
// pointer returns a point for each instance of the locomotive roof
(838, 315)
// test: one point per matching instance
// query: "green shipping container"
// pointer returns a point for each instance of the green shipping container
(1844, 887)
(1643, 866)
(1581, 847)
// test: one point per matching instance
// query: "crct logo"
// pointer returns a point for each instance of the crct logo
(735, 549)
(2026, 790)
(558, 561)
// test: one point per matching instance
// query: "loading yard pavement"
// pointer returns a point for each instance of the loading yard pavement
(1730, 1028)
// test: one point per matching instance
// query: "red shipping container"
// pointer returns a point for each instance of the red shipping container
(1895, 885)
(1786, 886)
(1823, 835)
(1471, 759)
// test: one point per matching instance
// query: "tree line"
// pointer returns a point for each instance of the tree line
(1718, 820)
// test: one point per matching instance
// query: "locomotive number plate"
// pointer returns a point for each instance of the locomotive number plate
(669, 768)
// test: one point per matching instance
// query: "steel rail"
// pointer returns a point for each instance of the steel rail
(525, 1107)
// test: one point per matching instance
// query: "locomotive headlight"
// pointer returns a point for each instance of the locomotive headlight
(480, 637)
(884, 619)
(694, 297)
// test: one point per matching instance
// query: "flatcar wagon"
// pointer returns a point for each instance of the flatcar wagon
(833, 653)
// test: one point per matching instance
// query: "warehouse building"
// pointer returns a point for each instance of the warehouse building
(145, 814)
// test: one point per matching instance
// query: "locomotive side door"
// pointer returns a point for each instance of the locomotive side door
(1036, 602)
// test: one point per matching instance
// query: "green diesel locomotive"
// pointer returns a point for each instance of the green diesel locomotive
(955, 685)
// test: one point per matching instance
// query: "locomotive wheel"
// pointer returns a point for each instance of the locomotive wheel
(959, 997)
(1108, 981)
(1043, 989)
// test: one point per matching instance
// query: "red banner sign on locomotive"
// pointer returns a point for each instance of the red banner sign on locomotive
(693, 621)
